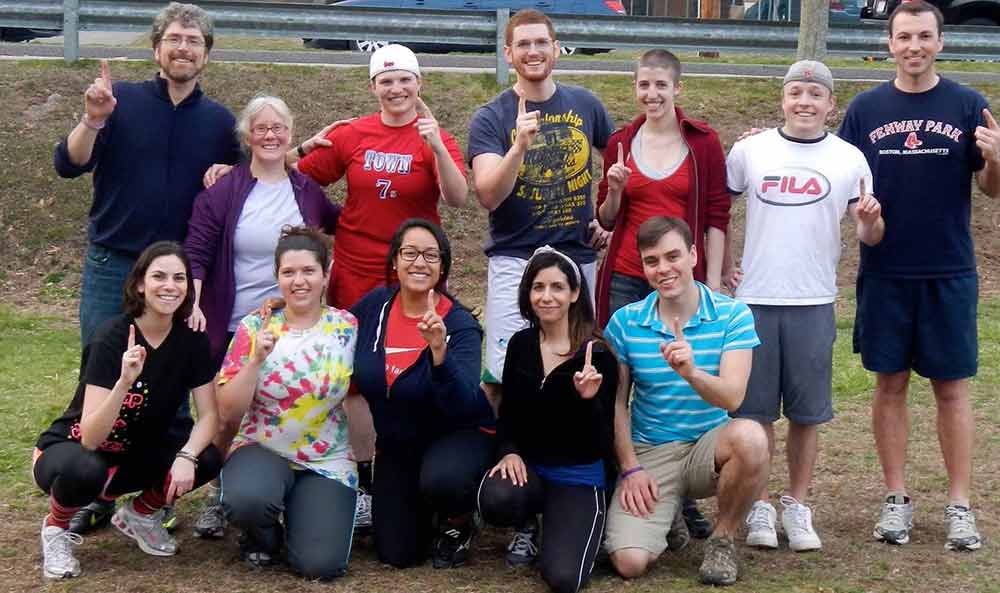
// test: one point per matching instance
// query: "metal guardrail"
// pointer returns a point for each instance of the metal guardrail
(469, 27)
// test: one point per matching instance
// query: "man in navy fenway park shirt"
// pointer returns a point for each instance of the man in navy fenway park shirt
(925, 137)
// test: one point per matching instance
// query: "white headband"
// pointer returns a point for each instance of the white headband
(572, 264)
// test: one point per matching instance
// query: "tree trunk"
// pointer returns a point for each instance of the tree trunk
(813, 26)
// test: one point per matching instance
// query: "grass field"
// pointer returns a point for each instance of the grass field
(42, 218)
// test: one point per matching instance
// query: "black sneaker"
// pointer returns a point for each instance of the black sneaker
(698, 525)
(523, 547)
(452, 544)
(94, 516)
(254, 556)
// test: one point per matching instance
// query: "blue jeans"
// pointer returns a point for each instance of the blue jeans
(101, 287)
(624, 290)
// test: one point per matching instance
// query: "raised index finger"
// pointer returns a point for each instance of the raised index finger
(106, 74)
(863, 192)
(423, 109)
(678, 329)
(265, 318)
(522, 104)
(430, 300)
(990, 122)
(589, 355)
(621, 154)
(131, 335)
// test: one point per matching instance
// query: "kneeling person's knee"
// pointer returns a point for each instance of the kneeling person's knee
(631, 563)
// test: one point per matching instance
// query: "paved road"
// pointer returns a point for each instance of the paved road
(484, 63)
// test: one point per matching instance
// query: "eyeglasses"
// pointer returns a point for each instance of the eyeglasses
(527, 44)
(431, 256)
(176, 41)
(262, 130)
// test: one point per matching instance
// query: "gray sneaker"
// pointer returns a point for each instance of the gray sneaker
(721, 565)
(58, 561)
(962, 533)
(896, 520)
(211, 524)
(363, 511)
(147, 531)
(678, 537)
(523, 547)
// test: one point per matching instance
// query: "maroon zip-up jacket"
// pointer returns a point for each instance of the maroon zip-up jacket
(708, 207)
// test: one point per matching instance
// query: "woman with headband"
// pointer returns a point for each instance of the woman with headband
(555, 427)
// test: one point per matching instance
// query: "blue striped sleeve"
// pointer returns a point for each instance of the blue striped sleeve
(740, 331)
(615, 335)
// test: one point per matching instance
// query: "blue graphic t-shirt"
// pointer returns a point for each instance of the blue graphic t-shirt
(550, 202)
(922, 151)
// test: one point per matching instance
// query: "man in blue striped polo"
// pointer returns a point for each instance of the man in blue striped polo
(688, 352)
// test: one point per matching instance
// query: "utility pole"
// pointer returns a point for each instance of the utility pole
(814, 22)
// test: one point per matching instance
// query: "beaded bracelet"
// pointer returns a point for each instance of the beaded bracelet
(182, 454)
(629, 472)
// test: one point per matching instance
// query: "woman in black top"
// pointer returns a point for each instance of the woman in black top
(112, 439)
(555, 426)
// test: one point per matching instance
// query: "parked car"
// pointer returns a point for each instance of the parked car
(956, 12)
(575, 7)
(16, 34)
(841, 11)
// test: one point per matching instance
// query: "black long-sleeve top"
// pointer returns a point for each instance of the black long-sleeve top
(543, 418)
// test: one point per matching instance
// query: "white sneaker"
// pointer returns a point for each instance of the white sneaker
(962, 533)
(796, 518)
(896, 520)
(760, 520)
(58, 561)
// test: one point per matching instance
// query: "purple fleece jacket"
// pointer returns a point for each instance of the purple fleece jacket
(211, 231)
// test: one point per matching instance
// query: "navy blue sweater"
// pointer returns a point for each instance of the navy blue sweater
(425, 401)
(148, 163)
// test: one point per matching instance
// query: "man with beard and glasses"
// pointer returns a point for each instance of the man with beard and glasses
(148, 145)
(530, 150)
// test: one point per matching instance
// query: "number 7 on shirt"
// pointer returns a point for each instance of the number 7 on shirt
(383, 186)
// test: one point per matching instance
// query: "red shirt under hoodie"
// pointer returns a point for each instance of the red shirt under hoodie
(707, 203)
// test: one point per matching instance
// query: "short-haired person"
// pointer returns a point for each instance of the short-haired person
(114, 438)
(555, 427)
(925, 138)
(148, 145)
(686, 350)
(663, 163)
(290, 482)
(799, 180)
(232, 235)
(417, 365)
(531, 151)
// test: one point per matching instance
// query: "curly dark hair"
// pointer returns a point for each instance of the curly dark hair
(444, 247)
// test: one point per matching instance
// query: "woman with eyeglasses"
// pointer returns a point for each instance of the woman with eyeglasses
(417, 364)
(232, 234)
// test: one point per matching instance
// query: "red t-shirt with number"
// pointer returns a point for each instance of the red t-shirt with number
(391, 176)
(403, 342)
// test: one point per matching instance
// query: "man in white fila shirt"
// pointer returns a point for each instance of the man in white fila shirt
(799, 180)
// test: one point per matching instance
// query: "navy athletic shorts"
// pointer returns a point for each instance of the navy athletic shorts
(927, 325)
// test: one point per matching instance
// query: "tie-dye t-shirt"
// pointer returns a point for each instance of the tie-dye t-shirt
(298, 411)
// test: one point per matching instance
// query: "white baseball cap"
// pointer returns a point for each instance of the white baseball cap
(393, 57)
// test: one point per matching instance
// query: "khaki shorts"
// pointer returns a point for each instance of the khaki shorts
(680, 469)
